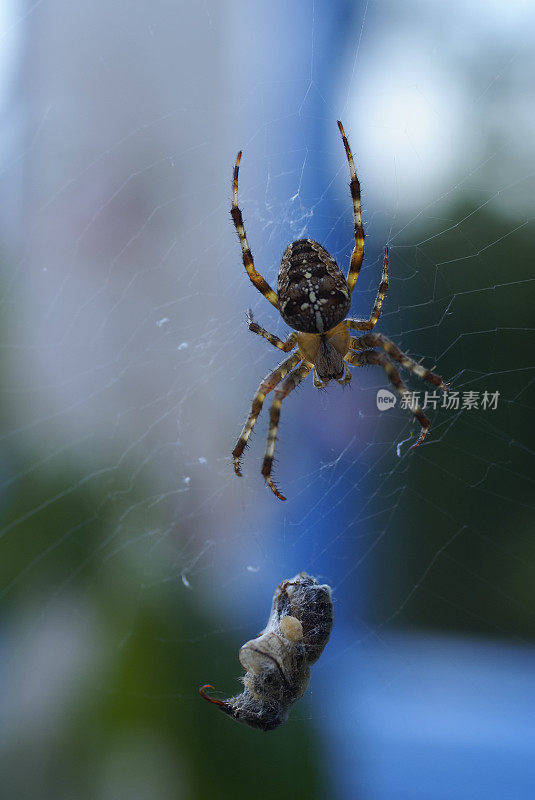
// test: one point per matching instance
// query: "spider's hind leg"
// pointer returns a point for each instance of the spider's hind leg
(248, 262)
(368, 324)
(358, 251)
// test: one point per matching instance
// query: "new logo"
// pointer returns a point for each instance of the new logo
(385, 400)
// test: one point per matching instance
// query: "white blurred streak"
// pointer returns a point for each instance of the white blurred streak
(12, 121)
(433, 101)
(414, 125)
(9, 40)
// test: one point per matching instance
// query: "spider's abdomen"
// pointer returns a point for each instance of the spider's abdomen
(312, 290)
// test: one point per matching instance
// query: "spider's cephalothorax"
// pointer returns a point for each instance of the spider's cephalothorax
(312, 289)
(314, 297)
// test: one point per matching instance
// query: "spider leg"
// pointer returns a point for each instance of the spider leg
(381, 360)
(358, 252)
(368, 324)
(289, 384)
(286, 346)
(261, 284)
(378, 340)
(269, 383)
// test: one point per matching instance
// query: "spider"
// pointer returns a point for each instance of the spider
(313, 297)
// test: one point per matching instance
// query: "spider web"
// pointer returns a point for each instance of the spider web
(134, 563)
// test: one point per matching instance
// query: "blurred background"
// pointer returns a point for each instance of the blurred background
(133, 563)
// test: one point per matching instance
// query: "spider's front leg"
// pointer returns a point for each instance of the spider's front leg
(369, 340)
(382, 360)
(288, 385)
(269, 383)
